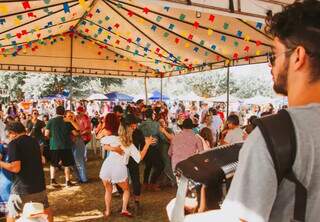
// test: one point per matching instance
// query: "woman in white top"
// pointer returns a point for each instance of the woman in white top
(114, 168)
(235, 133)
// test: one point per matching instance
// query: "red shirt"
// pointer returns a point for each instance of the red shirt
(84, 125)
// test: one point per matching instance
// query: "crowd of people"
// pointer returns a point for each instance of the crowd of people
(158, 135)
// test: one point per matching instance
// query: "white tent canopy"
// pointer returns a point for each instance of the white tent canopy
(258, 100)
(136, 38)
(189, 97)
(97, 96)
(223, 98)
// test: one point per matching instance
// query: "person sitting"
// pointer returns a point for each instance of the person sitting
(234, 133)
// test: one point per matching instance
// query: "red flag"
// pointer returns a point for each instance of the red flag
(146, 10)
(26, 5)
(177, 40)
(130, 13)
(31, 15)
(196, 24)
(211, 18)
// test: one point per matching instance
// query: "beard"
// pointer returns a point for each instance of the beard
(280, 84)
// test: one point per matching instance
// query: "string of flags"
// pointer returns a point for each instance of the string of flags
(201, 43)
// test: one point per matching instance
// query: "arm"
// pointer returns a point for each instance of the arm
(13, 167)
(148, 141)
(168, 135)
(116, 149)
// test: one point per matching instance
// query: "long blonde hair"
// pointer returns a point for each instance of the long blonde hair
(125, 135)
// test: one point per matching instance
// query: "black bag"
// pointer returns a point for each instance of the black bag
(279, 134)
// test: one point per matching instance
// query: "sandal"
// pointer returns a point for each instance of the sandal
(126, 214)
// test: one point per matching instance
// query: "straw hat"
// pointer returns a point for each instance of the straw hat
(33, 210)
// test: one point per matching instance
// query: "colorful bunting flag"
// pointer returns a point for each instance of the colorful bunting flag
(195, 49)
(166, 8)
(190, 37)
(158, 19)
(211, 18)
(182, 17)
(171, 26)
(26, 5)
(239, 33)
(66, 7)
(259, 25)
(210, 32)
(246, 48)
(31, 15)
(166, 34)
(177, 40)
(46, 1)
(258, 43)
(146, 10)
(84, 4)
(196, 24)
(130, 13)
(4, 9)
(202, 42)
(2, 21)
(225, 26)
(187, 45)
(153, 28)
(213, 47)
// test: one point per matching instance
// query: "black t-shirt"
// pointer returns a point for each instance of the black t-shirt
(30, 179)
(36, 129)
(138, 139)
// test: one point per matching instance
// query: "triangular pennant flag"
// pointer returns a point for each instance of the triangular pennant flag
(66, 8)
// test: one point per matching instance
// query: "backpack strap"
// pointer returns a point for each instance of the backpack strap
(279, 134)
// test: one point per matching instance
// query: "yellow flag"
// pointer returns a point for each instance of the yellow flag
(84, 5)
(184, 34)
(196, 62)
(4, 9)
(210, 32)
(187, 45)
(16, 21)
(141, 21)
(246, 38)
(258, 52)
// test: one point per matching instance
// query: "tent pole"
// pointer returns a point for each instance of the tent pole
(145, 89)
(161, 88)
(228, 89)
(70, 82)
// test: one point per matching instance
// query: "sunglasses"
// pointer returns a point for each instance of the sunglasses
(272, 56)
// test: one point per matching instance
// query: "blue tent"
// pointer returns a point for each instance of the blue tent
(156, 95)
(116, 96)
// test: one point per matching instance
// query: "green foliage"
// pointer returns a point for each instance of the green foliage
(12, 82)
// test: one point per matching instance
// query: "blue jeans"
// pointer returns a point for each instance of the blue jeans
(78, 150)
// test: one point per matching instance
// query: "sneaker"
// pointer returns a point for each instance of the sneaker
(54, 183)
(69, 183)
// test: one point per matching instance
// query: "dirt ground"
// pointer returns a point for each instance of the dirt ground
(86, 202)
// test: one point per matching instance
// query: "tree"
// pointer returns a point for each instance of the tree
(212, 83)
(13, 82)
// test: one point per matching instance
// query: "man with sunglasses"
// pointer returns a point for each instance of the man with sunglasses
(35, 128)
(254, 194)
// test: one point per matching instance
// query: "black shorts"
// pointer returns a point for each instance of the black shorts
(65, 156)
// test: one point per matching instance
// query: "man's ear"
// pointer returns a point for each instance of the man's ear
(299, 57)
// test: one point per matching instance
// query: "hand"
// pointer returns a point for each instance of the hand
(118, 150)
(162, 130)
(43, 160)
(0, 156)
(150, 140)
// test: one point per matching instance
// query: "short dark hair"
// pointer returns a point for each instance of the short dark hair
(118, 109)
(60, 110)
(16, 127)
(187, 124)
(149, 113)
(233, 119)
(299, 25)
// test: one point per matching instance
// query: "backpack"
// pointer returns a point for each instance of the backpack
(278, 131)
